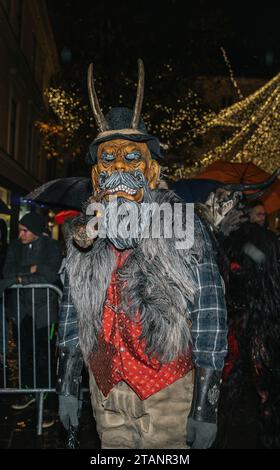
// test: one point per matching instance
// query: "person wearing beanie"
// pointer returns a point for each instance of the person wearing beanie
(33, 259)
(34, 223)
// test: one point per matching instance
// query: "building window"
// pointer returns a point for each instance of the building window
(34, 167)
(32, 148)
(51, 168)
(30, 136)
(7, 5)
(19, 19)
(34, 51)
(13, 127)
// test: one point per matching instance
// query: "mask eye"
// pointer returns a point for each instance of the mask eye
(107, 157)
(133, 156)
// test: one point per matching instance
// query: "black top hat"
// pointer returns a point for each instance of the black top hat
(121, 123)
(118, 120)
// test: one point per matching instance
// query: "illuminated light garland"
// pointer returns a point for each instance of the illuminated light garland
(187, 116)
(71, 114)
(49, 128)
(234, 82)
(67, 108)
(252, 125)
(175, 128)
(255, 125)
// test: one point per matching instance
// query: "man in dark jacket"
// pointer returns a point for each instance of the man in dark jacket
(33, 259)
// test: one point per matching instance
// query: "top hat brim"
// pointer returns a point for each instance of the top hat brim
(152, 143)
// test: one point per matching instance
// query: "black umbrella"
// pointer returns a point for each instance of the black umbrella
(68, 193)
(194, 190)
(4, 208)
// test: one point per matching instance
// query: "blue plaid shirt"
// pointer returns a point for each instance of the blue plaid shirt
(67, 319)
(208, 313)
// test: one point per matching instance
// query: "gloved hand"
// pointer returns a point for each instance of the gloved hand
(200, 435)
(69, 411)
(202, 420)
(232, 221)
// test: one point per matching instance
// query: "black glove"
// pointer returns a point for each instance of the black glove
(232, 221)
(202, 420)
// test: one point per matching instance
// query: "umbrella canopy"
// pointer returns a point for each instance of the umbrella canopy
(227, 172)
(64, 193)
(194, 190)
(4, 208)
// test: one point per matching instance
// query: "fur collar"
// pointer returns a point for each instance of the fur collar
(160, 284)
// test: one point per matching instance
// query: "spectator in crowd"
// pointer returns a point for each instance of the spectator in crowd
(3, 323)
(3, 245)
(257, 213)
(33, 259)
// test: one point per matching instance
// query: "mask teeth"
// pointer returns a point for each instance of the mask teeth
(122, 188)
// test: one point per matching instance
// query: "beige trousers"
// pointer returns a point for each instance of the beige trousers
(159, 422)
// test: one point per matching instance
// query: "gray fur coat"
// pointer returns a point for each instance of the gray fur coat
(160, 284)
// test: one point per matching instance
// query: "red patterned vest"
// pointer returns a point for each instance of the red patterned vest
(120, 354)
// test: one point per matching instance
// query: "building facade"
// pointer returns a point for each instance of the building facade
(28, 61)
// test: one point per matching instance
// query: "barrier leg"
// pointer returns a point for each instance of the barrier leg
(40, 404)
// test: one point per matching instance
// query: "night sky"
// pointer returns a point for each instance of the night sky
(178, 40)
(187, 34)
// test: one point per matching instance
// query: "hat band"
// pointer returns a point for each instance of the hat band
(119, 131)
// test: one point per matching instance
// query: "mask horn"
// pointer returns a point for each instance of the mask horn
(139, 96)
(256, 195)
(98, 115)
(252, 186)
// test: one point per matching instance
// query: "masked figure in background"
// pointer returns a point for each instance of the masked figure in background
(151, 314)
(248, 257)
(251, 254)
(224, 208)
(253, 364)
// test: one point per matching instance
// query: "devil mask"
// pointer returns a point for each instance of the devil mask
(124, 155)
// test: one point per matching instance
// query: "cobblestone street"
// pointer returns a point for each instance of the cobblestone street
(18, 428)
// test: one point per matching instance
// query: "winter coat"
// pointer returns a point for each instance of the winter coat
(46, 254)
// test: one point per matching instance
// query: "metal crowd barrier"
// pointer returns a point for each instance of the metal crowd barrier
(4, 384)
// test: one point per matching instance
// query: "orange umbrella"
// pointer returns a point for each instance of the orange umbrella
(227, 172)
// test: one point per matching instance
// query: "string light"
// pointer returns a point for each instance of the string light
(234, 82)
(249, 130)
(61, 136)
(67, 108)
(254, 126)
(176, 122)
